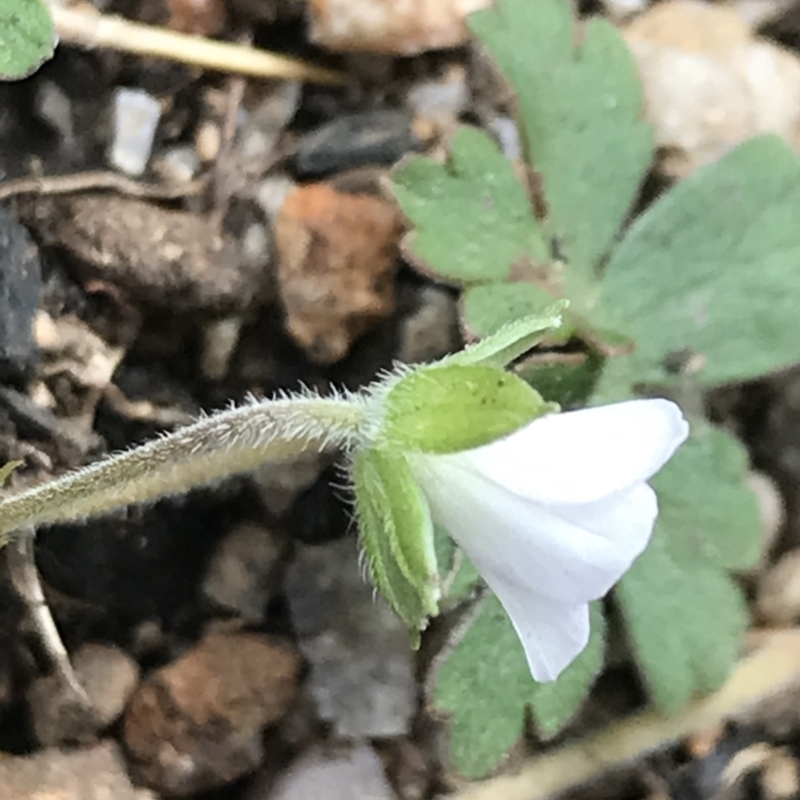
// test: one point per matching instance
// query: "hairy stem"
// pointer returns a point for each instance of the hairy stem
(215, 447)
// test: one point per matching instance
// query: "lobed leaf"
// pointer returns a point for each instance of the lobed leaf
(27, 37)
(484, 684)
(710, 272)
(685, 615)
(580, 102)
(472, 217)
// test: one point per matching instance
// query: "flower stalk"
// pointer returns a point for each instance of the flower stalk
(214, 447)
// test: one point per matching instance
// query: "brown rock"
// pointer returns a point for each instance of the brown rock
(109, 677)
(386, 26)
(161, 256)
(337, 261)
(196, 724)
(97, 773)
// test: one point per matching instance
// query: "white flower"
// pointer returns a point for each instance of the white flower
(554, 514)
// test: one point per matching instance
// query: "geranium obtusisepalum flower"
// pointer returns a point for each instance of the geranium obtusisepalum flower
(554, 514)
(551, 508)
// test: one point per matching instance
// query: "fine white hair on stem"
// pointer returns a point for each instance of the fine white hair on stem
(216, 446)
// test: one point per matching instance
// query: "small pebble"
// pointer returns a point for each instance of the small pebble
(109, 677)
(208, 141)
(272, 193)
(220, 338)
(178, 164)
(256, 243)
(242, 571)
(136, 117)
(771, 506)
(441, 100)
(778, 597)
(55, 107)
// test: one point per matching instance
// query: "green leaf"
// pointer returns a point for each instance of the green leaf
(556, 703)
(27, 37)
(685, 615)
(710, 271)
(581, 105)
(484, 684)
(703, 499)
(452, 407)
(567, 379)
(472, 216)
(488, 307)
(388, 509)
(513, 339)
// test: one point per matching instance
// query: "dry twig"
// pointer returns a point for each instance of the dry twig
(98, 180)
(89, 29)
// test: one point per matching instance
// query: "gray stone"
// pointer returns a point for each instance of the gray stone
(344, 774)
(362, 677)
(382, 136)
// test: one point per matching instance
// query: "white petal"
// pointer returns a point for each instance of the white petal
(625, 519)
(582, 456)
(569, 554)
(552, 634)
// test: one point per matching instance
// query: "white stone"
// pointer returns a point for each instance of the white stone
(136, 117)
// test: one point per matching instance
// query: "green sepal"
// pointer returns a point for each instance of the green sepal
(397, 535)
(7, 469)
(512, 340)
(445, 409)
